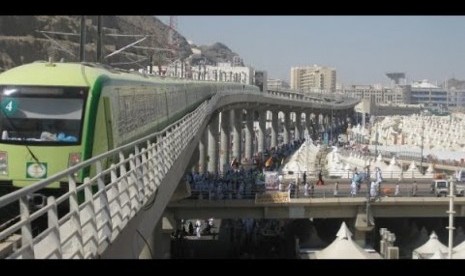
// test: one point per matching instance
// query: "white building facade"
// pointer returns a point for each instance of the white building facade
(313, 79)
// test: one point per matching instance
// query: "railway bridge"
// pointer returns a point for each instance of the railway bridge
(127, 210)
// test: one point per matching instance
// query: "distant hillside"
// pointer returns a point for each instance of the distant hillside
(213, 54)
(21, 42)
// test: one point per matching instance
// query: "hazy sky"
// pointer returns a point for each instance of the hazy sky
(361, 48)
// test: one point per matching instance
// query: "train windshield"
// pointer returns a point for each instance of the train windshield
(41, 115)
(442, 184)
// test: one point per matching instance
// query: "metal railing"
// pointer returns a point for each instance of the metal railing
(325, 98)
(100, 207)
(111, 197)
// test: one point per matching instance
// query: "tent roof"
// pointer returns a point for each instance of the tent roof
(343, 247)
(437, 255)
(431, 246)
(459, 255)
(344, 232)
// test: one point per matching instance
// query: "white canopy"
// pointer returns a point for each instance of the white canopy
(460, 247)
(459, 255)
(343, 247)
(429, 248)
(437, 255)
(413, 171)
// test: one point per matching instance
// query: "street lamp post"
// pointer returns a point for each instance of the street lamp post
(376, 140)
(368, 179)
(422, 137)
(331, 127)
(451, 213)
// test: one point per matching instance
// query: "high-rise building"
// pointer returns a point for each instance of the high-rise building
(277, 84)
(380, 95)
(313, 79)
(222, 72)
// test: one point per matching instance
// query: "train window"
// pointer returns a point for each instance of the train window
(41, 115)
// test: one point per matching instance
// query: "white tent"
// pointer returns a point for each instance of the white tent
(458, 255)
(429, 171)
(437, 255)
(392, 171)
(379, 163)
(343, 247)
(413, 171)
(428, 249)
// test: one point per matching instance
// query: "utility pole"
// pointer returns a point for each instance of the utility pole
(99, 39)
(82, 47)
(331, 127)
(376, 140)
(451, 213)
(376, 133)
(368, 179)
(422, 137)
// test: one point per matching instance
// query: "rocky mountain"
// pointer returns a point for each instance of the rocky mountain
(24, 39)
(212, 54)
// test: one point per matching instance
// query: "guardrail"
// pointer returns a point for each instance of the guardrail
(111, 197)
(326, 98)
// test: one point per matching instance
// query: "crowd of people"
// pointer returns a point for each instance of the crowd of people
(240, 183)
(246, 237)
(237, 182)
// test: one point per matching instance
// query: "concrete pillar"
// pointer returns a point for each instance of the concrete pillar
(364, 223)
(274, 128)
(269, 119)
(339, 125)
(160, 243)
(261, 131)
(360, 237)
(224, 141)
(327, 125)
(308, 123)
(298, 125)
(194, 161)
(331, 127)
(213, 144)
(249, 136)
(320, 126)
(203, 152)
(237, 131)
(287, 120)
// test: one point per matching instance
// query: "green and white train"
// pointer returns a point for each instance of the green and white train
(54, 115)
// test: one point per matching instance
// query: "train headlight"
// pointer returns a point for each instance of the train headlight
(74, 158)
(3, 163)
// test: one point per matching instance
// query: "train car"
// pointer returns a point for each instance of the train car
(54, 115)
